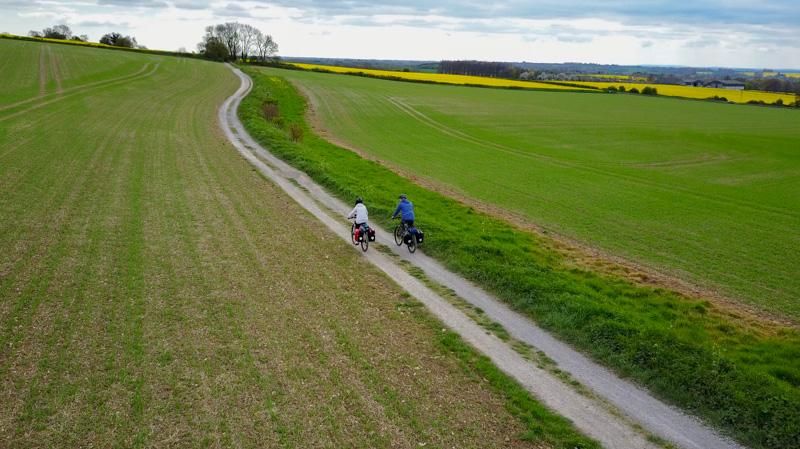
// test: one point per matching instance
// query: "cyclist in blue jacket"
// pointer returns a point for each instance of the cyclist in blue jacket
(406, 211)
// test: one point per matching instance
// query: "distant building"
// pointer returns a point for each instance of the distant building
(725, 84)
(694, 83)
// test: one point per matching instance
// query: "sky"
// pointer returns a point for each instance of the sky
(707, 33)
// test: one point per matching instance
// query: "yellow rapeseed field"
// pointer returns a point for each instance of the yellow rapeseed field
(738, 96)
(671, 90)
(793, 75)
(440, 77)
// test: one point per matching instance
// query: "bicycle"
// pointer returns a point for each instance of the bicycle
(402, 235)
(363, 237)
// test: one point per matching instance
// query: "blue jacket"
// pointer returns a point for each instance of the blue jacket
(405, 209)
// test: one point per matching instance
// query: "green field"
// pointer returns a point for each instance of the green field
(741, 373)
(155, 291)
(706, 192)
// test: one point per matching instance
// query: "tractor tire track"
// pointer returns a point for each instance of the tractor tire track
(42, 75)
(588, 415)
(80, 88)
(55, 69)
(424, 119)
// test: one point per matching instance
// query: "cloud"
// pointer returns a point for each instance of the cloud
(233, 10)
(575, 39)
(627, 11)
(102, 24)
(697, 32)
(190, 4)
(702, 43)
(15, 4)
(134, 3)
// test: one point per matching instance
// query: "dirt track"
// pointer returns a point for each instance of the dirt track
(589, 415)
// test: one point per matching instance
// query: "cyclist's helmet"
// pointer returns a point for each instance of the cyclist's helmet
(402, 196)
(359, 200)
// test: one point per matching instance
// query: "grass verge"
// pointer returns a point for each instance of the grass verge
(743, 377)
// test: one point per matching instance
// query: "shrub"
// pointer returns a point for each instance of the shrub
(649, 91)
(633, 90)
(296, 132)
(779, 102)
(611, 89)
(271, 111)
(717, 98)
(622, 88)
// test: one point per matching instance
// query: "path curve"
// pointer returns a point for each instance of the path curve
(589, 416)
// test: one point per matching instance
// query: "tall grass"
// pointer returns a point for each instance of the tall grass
(743, 378)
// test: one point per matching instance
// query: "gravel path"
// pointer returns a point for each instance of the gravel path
(588, 415)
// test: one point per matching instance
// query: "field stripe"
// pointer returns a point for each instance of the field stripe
(50, 249)
(80, 88)
(55, 68)
(117, 82)
(42, 72)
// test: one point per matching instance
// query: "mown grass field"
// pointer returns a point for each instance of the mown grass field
(155, 291)
(741, 373)
(705, 191)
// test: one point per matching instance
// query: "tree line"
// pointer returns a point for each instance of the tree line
(479, 68)
(232, 40)
(774, 85)
(63, 32)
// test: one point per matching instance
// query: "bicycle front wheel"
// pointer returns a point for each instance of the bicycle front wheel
(398, 234)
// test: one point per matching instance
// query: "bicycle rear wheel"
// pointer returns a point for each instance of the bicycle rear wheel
(365, 243)
(412, 246)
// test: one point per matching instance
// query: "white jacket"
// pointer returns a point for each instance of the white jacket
(360, 213)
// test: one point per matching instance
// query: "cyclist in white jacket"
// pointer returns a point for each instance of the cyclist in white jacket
(361, 216)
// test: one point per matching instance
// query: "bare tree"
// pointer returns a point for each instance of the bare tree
(265, 46)
(55, 32)
(238, 40)
(247, 36)
(118, 40)
(229, 33)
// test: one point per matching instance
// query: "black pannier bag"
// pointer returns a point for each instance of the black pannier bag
(371, 234)
(420, 235)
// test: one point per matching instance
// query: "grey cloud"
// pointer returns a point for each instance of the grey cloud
(629, 11)
(190, 4)
(702, 43)
(233, 10)
(574, 39)
(16, 4)
(134, 3)
(102, 24)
